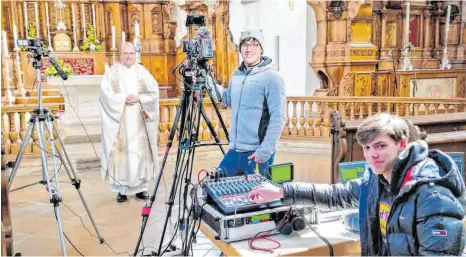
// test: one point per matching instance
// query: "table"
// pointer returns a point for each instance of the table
(306, 242)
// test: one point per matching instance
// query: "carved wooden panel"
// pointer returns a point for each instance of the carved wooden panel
(124, 19)
(374, 86)
(156, 20)
(391, 34)
(383, 85)
(87, 14)
(30, 13)
(337, 29)
(453, 34)
(414, 27)
(362, 83)
(167, 9)
(6, 17)
(135, 16)
(108, 21)
(67, 18)
(348, 84)
(361, 32)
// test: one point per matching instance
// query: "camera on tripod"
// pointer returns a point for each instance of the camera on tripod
(196, 71)
(35, 46)
(29, 43)
(198, 49)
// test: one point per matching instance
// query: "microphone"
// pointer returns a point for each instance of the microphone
(53, 61)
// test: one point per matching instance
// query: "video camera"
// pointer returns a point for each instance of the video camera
(29, 43)
(36, 48)
(198, 49)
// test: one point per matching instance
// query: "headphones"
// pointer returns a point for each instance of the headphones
(293, 223)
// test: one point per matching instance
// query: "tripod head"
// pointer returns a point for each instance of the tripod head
(38, 51)
(198, 76)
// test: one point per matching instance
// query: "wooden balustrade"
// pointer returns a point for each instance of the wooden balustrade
(306, 116)
(310, 116)
(168, 108)
(314, 112)
(14, 126)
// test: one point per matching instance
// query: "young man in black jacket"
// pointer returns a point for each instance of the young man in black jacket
(408, 200)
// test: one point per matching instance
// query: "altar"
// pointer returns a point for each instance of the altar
(92, 63)
(427, 83)
(362, 46)
(82, 109)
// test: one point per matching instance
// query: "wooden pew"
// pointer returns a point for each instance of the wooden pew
(446, 132)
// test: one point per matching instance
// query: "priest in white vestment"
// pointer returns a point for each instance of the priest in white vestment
(129, 100)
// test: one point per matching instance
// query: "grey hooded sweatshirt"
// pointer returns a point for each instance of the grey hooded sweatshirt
(257, 100)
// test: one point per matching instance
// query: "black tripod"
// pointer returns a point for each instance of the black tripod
(41, 119)
(189, 112)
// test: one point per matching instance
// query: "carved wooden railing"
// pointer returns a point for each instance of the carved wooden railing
(310, 116)
(14, 125)
(307, 117)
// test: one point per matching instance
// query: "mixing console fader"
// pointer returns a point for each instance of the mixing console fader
(231, 193)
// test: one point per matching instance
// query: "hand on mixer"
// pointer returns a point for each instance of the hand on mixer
(265, 193)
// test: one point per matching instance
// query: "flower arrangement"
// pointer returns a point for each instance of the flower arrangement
(91, 43)
(51, 71)
(32, 30)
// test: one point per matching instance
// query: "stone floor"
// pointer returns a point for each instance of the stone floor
(35, 227)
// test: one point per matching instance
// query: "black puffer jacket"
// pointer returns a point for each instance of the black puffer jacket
(426, 217)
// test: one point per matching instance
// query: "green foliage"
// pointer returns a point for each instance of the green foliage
(51, 71)
(32, 30)
(91, 39)
(31, 33)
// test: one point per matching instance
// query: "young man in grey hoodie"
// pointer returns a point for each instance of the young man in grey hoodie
(256, 95)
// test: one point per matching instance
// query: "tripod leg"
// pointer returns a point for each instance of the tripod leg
(212, 129)
(54, 154)
(20, 155)
(214, 104)
(53, 193)
(75, 181)
(146, 210)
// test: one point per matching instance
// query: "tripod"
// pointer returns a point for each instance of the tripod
(43, 118)
(188, 116)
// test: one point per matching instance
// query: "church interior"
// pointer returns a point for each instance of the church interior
(342, 61)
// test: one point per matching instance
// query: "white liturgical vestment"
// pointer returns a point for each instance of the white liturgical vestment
(129, 133)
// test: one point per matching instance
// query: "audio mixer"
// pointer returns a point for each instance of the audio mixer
(231, 194)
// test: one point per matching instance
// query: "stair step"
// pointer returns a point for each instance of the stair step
(45, 92)
(33, 99)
